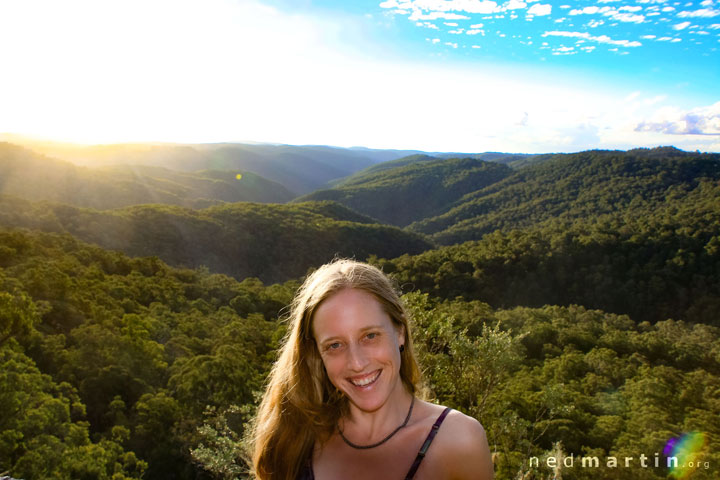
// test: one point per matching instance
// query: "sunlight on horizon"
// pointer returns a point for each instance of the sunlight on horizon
(105, 72)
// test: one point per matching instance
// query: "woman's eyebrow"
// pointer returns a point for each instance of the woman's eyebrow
(338, 337)
(328, 339)
(371, 327)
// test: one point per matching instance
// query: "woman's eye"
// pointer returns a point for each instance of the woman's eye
(333, 346)
(371, 335)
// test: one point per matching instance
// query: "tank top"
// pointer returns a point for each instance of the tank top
(307, 472)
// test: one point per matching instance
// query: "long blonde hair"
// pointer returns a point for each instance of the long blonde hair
(301, 405)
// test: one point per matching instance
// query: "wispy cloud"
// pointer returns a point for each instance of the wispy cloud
(702, 13)
(418, 15)
(600, 39)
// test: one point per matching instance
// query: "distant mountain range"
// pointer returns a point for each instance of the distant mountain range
(300, 169)
(32, 176)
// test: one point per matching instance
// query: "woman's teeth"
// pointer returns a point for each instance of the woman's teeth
(364, 381)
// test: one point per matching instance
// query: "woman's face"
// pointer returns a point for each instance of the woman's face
(359, 345)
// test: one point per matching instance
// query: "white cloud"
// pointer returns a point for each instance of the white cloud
(668, 9)
(477, 25)
(681, 26)
(630, 9)
(585, 11)
(429, 25)
(600, 39)
(540, 10)
(673, 121)
(595, 23)
(451, 24)
(702, 13)
(451, 44)
(459, 31)
(628, 17)
(564, 51)
(475, 31)
(623, 14)
(514, 5)
(648, 37)
(707, 3)
(714, 26)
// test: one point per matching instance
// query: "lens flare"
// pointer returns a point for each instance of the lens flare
(687, 449)
(238, 176)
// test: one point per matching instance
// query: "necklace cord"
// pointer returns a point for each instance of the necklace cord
(377, 444)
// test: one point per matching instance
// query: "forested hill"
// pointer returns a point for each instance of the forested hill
(651, 264)
(33, 176)
(412, 188)
(269, 241)
(574, 186)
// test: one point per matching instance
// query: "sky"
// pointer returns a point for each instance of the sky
(435, 75)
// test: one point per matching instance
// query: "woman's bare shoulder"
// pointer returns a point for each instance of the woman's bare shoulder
(464, 447)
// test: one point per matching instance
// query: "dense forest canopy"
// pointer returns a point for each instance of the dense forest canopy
(574, 186)
(579, 322)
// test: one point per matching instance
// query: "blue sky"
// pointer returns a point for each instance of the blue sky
(434, 75)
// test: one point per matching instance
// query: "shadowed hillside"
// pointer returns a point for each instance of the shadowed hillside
(268, 241)
(413, 188)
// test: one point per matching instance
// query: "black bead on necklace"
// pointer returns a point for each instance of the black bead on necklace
(377, 444)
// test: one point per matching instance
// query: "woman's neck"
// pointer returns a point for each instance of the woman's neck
(363, 427)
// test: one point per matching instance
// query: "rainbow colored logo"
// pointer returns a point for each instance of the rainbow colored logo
(683, 453)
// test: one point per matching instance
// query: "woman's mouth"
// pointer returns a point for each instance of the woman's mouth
(365, 380)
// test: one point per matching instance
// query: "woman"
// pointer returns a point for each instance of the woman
(340, 401)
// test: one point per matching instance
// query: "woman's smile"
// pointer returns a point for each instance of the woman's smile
(365, 380)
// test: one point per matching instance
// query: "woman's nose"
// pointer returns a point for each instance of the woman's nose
(356, 358)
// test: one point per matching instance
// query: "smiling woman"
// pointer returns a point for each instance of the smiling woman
(341, 399)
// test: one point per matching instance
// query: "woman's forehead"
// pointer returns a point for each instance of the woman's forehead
(349, 310)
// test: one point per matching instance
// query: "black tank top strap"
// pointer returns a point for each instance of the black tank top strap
(426, 445)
